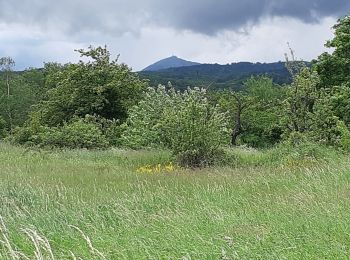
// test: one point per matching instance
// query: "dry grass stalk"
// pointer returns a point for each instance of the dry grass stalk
(3, 231)
(89, 243)
(39, 243)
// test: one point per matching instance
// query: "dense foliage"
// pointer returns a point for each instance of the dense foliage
(98, 103)
(334, 68)
(2, 128)
(184, 122)
(99, 88)
(254, 112)
(17, 95)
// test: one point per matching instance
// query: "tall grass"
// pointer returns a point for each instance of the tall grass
(269, 204)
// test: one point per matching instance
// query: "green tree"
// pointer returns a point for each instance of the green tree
(34, 79)
(334, 68)
(301, 97)
(99, 87)
(6, 66)
(17, 95)
(261, 121)
(254, 111)
(318, 101)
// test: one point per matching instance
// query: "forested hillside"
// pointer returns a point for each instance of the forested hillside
(215, 76)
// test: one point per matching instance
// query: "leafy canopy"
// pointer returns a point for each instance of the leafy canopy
(334, 69)
(99, 87)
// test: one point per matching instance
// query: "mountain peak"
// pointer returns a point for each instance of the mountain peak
(170, 62)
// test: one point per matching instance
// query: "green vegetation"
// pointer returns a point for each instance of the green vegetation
(259, 172)
(184, 122)
(98, 87)
(334, 68)
(270, 205)
(254, 113)
(217, 77)
(99, 103)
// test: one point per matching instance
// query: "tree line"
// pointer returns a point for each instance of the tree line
(101, 103)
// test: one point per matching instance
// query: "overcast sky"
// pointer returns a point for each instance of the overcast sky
(144, 31)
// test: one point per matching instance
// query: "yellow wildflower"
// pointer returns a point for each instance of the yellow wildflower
(169, 167)
(150, 169)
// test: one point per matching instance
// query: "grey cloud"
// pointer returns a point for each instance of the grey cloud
(210, 16)
(74, 16)
(115, 17)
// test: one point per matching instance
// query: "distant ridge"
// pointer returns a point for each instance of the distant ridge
(171, 62)
(217, 76)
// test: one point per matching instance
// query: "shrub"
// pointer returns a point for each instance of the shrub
(184, 122)
(27, 134)
(110, 128)
(76, 134)
(3, 131)
(344, 136)
(295, 139)
(195, 130)
(144, 125)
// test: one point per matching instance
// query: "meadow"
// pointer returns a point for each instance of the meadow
(79, 204)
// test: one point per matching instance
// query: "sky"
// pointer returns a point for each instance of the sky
(143, 31)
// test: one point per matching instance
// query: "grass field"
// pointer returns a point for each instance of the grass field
(94, 205)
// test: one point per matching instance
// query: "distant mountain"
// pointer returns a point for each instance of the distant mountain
(217, 76)
(171, 62)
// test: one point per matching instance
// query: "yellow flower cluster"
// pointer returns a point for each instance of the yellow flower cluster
(306, 161)
(150, 169)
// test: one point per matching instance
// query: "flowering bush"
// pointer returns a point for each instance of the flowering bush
(184, 122)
